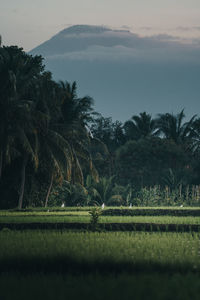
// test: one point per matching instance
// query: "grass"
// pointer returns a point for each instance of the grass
(99, 265)
(84, 217)
(64, 251)
(96, 286)
(43, 213)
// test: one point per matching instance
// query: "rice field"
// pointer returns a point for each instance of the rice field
(53, 264)
(84, 217)
(56, 265)
(119, 250)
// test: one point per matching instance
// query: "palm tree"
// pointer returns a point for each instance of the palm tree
(102, 191)
(75, 115)
(18, 71)
(64, 141)
(70, 194)
(172, 127)
(18, 138)
(140, 126)
(55, 157)
(195, 136)
(7, 104)
(26, 141)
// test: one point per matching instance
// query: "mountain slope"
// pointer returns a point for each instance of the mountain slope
(125, 73)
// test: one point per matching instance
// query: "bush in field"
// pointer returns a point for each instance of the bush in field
(95, 214)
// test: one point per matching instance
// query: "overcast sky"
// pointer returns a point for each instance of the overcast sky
(28, 23)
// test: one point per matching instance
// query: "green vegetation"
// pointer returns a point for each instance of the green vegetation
(106, 265)
(84, 217)
(97, 219)
(107, 191)
(63, 251)
(60, 161)
(94, 217)
(103, 219)
(56, 150)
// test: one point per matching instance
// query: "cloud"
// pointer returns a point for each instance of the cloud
(122, 37)
(14, 10)
(126, 27)
(146, 28)
(196, 28)
(132, 55)
(107, 34)
(87, 43)
(183, 28)
(163, 37)
(187, 28)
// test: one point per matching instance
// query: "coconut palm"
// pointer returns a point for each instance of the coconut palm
(25, 142)
(64, 141)
(7, 104)
(172, 127)
(75, 115)
(141, 126)
(102, 192)
(195, 137)
(17, 137)
(55, 157)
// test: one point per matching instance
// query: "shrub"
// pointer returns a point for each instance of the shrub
(95, 214)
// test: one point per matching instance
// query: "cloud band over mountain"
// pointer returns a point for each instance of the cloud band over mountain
(158, 73)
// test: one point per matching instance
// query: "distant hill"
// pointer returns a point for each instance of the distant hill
(125, 73)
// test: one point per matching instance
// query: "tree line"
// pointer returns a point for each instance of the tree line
(50, 139)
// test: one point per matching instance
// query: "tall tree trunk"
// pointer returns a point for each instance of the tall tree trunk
(1, 163)
(49, 191)
(23, 177)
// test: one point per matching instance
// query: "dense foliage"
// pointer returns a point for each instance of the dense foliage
(54, 148)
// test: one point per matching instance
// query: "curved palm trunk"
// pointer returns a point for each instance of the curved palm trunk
(23, 177)
(49, 191)
(1, 163)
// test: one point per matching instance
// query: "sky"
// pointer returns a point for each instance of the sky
(28, 23)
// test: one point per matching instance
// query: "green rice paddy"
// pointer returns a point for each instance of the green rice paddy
(84, 217)
(53, 264)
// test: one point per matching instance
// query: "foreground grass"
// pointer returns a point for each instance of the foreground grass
(118, 251)
(92, 265)
(100, 286)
